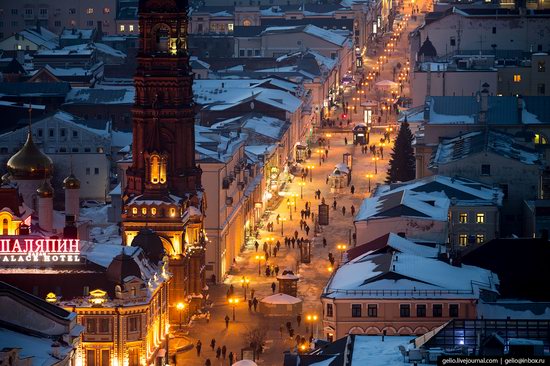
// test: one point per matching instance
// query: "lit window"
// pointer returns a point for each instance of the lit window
(230, 27)
(463, 218)
(134, 210)
(517, 78)
(18, 46)
(153, 211)
(122, 28)
(480, 238)
(463, 240)
(144, 211)
(539, 139)
(131, 27)
(90, 11)
(541, 66)
(247, 23)
(480, 218)
(172, 211)
(106, 10)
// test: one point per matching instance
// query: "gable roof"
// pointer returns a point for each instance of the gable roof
(404, 203)
(480, 141)
(41, 37)
(392, 242)
(312, 30)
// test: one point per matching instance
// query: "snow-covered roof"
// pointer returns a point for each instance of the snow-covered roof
(403, 275)
(479, 142)
(461, 191)
(42, 37)
(76, 33)
(268, 126)
(310, 29)
(211, 145)
(373, 351)
(404, 203)
(396, 243)
(281, 299)
(100, 96)
(36, 349)
(514, 309)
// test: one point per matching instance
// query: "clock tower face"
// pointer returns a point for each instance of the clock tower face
(163, 146)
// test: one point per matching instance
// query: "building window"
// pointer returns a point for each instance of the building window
(96, 171)
(87, 171)
(247, 23)
(405, 310)
(452, 41)
(256, 53)
(355, 310)
(75, 133)
(241, 53)
(131, 27)
(480, 218)
(104, 325)
(517, 78)
(87, 149)
(453, 310)
(463, 240)
(372, 310)
(421, 311)
(144, 211)
(249, 53)
(91, 326)
(134, 210)
(72, 11)
(106, 10)
(541, 89)
(133, 357)
(89, 23)
(43, 11)
(63, 132)
(154, 211)
(485, 169)
(333, 55)
(74, 149)
(480, 238)
(28, 11)
(330, 313)
(90, 11)
(463, 218)
(437, 310)
(199, 28)
(541, 66)
(494, 30)
(133, 324)
(57, 23)
(539, 139)
(230, 27)
(122, 28)
(40, 132)
(62, 149)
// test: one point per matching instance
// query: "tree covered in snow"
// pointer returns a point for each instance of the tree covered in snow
(402, 161)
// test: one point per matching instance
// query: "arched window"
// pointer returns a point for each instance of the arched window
(247, 23)
(540, 139)
(144, 211)
(134, 211)
(157, 169)
(5, 227)
(153, 211)
(161, 42)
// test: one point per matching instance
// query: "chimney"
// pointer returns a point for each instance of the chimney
(484, 104)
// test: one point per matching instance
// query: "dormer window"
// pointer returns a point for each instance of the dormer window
(144, 211)
(157, 169)
(134, 211)
(153, 211)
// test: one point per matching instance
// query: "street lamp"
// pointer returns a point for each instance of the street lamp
(341, 248)
(369, 176)
(301, 184)
(260, 258)
(320, 152)
(312, 319)
(233, 301)
(289, 205)
(180, 306)
(375, 159)
(282, 219)
(270, 240)
(311, 167)
(245, 282)
(294, 203)
(330, 269)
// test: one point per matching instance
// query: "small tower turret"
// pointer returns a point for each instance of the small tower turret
(45, 206)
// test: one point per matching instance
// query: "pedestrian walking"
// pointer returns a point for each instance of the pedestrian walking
(326, 181)
(296, 234)
(231, 358)
(267, 271)
(226, 321)
(307, 230)
(255, 303)
(224, 351)
(278, 218)
(312, 217)
(352, 210)
(213, 344)
(250, 304)
(334, 204)
(276, 270)
(352, 189)
(252, 293)
(198, 347)
(207, 362)
(273, 287)
(218, 352)
(324, 242)
(298, 319)
(343, 210)
(345, 140)
(256, 245)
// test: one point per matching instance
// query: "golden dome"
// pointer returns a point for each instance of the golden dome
(30, 163)
(71, 182)
(45, 190)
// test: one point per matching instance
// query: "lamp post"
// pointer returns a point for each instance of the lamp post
(381, 146)
(282, 220)
(301, 184)
(375, 159)
(180, 306)
(270, 240)
(369, 176)
(289, 204)
(260, 258)
(320, 152)
(341, 248)
(245, 281)
(311, 167)
(312, 319)
(233, 301)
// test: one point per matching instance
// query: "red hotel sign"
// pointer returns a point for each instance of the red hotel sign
(18, 249)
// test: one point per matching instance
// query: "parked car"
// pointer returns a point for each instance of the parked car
(90, 203)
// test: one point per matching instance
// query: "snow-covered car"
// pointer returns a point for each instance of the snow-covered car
(90, 203)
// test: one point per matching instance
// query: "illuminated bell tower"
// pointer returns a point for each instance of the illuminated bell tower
(163, 191)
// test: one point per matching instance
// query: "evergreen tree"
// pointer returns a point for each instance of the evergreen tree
(402, 161)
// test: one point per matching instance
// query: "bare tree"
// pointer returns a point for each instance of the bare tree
(255, 338)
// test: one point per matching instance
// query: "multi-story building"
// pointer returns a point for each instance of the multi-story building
(473, 211)
(17, 15)
(401, 293)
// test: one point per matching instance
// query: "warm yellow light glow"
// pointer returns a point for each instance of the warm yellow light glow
(180, 306)
(260, 257)
(341, 246)
(51, 297)
(330, 269)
